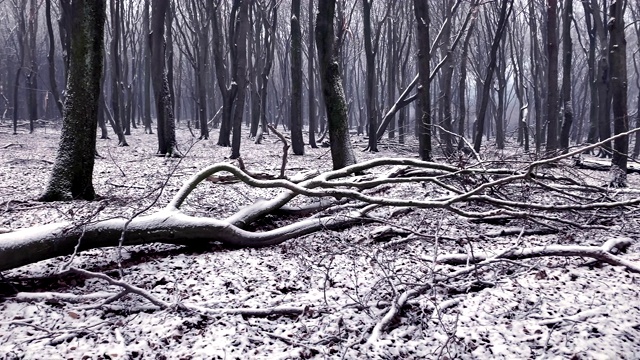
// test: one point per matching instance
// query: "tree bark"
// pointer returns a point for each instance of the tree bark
(164, 106)
(618, 66)
(370, 58)
(421, 11)
(336, 106)
(71, 177)
(297, 142)
(239, 72)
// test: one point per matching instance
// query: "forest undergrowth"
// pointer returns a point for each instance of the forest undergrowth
(407, 282)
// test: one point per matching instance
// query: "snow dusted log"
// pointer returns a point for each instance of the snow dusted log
(601, 253)
(39, 243)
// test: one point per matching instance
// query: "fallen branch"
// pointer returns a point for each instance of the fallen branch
(581, 316)
(601, 253)
(478, 260)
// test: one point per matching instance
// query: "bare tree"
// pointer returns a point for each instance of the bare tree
(51, 59)
(335, 103)
(297, 143)
(311, 78)
(116, 69)
(552, 75)
(506, 8)
(421, 10)
(71, 177)
(238, 37)
(618, 66)
(164, 107)
(567, 54)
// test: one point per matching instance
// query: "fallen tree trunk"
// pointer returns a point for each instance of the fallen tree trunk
(39, 243)
(448, 190)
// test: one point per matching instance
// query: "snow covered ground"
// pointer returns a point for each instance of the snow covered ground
(344, 281)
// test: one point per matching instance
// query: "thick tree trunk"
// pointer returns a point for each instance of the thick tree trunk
(71, 177)
(335, 103)
(31, 245)
(164, 109)
(239, 73)
(618, 66)
(370, 58)
(423, 119)
(297, 142)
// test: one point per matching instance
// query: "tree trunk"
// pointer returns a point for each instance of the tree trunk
(32, 70)
(567, 53)
(423, 119)
(239, 72)
(164, 109)
(370, 57)
(336, 106)
(502, 24)
(146, 50)
(602, 76)
(446, 81)
(462, 85)
(618, 66)
(71, 177)
(311, 76)
(51, 59)
(297, 142)
(552, 76)
(116, 92)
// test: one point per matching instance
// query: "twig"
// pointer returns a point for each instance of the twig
(128, 288)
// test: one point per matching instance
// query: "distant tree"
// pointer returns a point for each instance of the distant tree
(567, 54)
(71, 177)
(32, 63)
(51, 59)
(311, 78)
(232, 74)
(335, 103)
(116, 118)
(506, 8)
(552, 75)
(146, 51)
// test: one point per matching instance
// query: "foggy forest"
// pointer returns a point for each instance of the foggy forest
(319, 179)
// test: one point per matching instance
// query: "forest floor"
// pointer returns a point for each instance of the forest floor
(550, 307)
